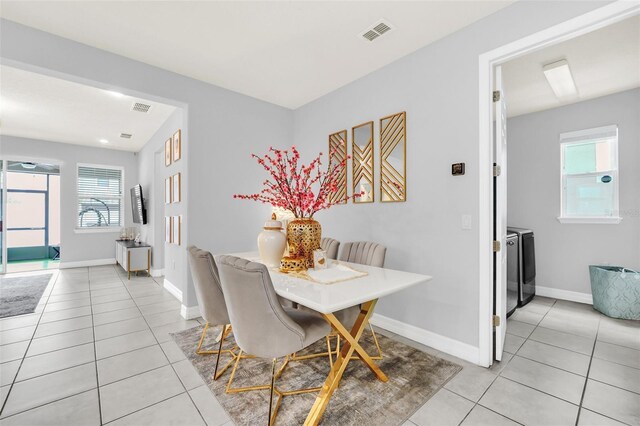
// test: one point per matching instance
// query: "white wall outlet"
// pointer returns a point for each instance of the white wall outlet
(466, 221)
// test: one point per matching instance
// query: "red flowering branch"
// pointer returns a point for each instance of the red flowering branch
(302, 189)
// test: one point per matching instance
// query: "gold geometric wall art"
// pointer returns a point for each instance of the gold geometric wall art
(362, 162)
(337, 154)
(393, 162)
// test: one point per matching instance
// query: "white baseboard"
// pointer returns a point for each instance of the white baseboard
(190, 312)
(177, 293)
(572, 296)
(85, 263)
(445, 344)
(157, 272)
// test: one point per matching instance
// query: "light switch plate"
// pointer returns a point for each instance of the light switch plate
(466, 221)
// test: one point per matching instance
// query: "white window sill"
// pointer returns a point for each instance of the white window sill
(110, 229)
(591, 220)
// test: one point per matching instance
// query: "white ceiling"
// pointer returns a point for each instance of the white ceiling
(288, 53)
(41, 107)
(602, 62)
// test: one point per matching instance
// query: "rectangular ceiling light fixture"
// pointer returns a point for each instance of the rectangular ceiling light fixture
(560, 79)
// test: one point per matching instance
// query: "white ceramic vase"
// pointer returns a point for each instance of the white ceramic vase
(271, 243)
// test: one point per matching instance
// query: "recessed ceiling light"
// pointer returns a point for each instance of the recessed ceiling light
(559, 77)
(104, 141)
(115, 94)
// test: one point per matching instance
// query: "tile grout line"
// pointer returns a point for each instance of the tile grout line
(586, 379)
(6, 399)
(95, 352)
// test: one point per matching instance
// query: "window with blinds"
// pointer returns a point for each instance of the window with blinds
(100, 197)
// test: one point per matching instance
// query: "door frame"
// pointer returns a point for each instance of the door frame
(567, 30)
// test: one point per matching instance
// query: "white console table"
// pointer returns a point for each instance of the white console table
(133, 257)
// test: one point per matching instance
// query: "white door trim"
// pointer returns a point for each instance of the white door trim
(572, 28)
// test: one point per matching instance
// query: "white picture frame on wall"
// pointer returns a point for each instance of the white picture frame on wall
(177, 188)
(167, 190)
(176, 228)
(168, 234)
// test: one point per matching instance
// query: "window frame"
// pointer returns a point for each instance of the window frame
(94, 230)
(583, 137)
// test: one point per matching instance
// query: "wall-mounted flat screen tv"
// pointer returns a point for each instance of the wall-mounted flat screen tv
(137, 205)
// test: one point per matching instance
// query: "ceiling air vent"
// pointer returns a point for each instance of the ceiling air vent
(140, 107)
(125, 135)
(376, 30)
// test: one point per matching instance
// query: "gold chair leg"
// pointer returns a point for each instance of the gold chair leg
(273, 379)
(229, 389)
(215, 370)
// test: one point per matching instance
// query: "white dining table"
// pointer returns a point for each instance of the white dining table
(329, 298)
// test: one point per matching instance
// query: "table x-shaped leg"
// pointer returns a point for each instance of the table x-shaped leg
(351, 345)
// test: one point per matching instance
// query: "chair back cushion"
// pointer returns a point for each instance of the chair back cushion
(364, 253)
(207, 284)
(331, 246)
(261, 327)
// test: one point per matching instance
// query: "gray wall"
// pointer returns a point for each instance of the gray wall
(152, 173)
(76, 247)
(438, 87)
(223, 127)
(564, 251)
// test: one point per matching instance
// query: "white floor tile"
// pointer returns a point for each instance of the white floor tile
(13, 351)
(512, 343)
(44, 389)
(129, 364)
(209, 407)
(612, 402)
(555, 357)
(19, 321)
(471, 382)
(618, 354)
(125, 343)
(518, 328)
(615, 374)
(77, 410)
(126, 396)
(54, 361)
(481, 416)
(8, 372)
(589, 418)
(178, 411)
(163, 332)
(60, 341)
(443, 409)
(63, 326)
(528, 406)
(572, 342)
(119, 328)
(115, 316)
(113, 306)
(67, 304)
(172, 351)
(188, 374)
(556, 382)
(16, 335)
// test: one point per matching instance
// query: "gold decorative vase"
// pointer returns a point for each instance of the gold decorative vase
(303, 236)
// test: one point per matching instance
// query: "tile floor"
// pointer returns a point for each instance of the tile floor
(564, 364)
(98, 351)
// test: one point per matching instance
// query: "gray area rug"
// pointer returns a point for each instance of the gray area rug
(20, 295)
(414, 376)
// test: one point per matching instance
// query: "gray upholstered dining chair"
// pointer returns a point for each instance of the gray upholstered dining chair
(364, 253)
(261, 326)
(210, 301)
(331, 246)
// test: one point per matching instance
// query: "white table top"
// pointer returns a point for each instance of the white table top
(327, 298)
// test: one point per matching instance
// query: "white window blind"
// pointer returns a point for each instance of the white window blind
(100, 197)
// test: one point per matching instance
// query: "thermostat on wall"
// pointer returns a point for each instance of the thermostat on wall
(457, 169)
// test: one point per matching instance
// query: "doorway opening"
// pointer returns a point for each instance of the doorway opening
(492, 180)
(31, 216)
